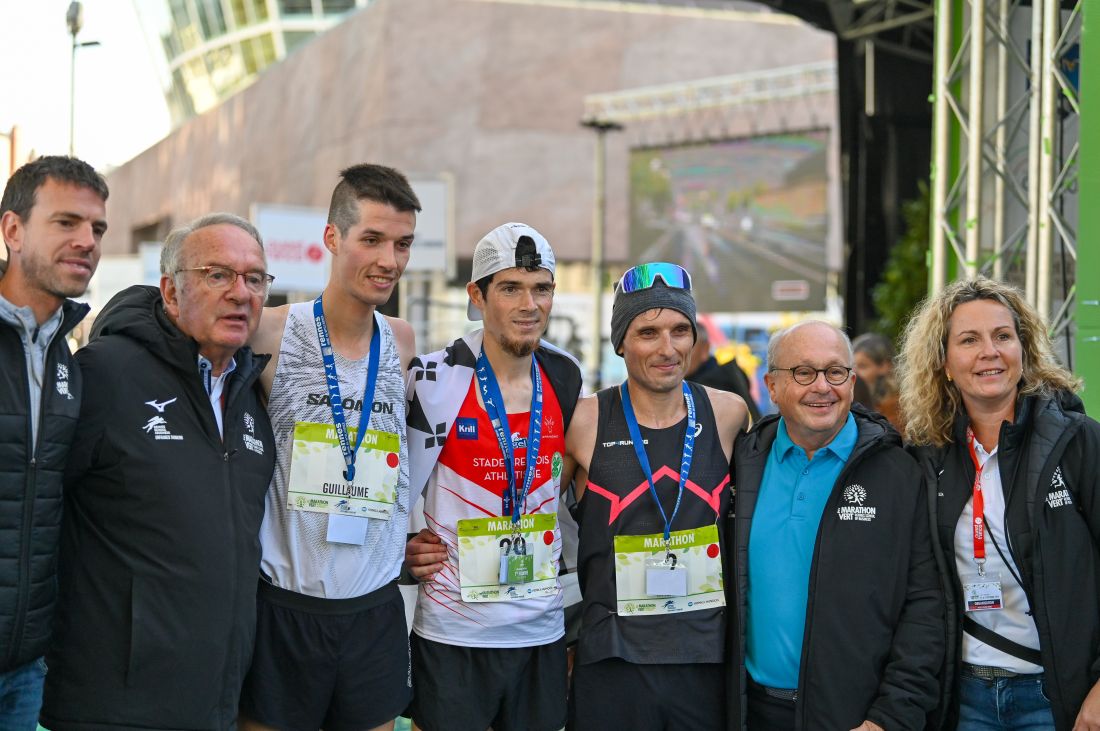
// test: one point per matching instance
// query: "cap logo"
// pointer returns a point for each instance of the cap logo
(527, 255)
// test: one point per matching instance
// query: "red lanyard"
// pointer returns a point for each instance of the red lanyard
(979, 507)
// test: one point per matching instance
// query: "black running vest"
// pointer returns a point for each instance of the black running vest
(691, 637)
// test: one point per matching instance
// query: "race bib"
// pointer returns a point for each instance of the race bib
(647, 581)
(317, 483)
(492, 568)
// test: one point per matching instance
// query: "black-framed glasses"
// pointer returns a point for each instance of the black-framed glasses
(645, 276)
(219, 278)
(804, 375)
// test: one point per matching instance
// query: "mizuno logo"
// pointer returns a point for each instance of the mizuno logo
(161, 405)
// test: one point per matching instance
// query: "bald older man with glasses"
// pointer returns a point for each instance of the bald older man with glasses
(164, 494)
(837, 619)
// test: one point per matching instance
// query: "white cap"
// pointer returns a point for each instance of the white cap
(497, 251)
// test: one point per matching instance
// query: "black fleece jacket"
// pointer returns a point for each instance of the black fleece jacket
(874, 635)
(159, 548)
(1049, 462)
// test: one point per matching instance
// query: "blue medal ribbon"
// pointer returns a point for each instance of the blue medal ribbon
(643, 459)
(512, 504)
(335, 401)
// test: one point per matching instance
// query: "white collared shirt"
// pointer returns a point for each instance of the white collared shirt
(1013, 620)
(215, 385)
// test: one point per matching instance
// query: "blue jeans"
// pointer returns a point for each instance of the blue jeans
(21, 696)
(1004, 704)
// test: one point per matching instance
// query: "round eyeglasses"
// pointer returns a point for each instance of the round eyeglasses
(219, 278)
(804, 375)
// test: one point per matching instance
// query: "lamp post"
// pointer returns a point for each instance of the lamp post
(599, 210)
(74, 17)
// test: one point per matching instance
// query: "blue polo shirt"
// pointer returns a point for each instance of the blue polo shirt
(781, 549)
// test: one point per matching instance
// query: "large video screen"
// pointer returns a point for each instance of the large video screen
(747, 218)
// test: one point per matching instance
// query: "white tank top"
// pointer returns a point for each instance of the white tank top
(296, 554)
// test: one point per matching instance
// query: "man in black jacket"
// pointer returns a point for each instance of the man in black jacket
(53, 218)
(705, 370)
(164, 494)
(840, 618)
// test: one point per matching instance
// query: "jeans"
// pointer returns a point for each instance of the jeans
(1004, 704)
(21, 696)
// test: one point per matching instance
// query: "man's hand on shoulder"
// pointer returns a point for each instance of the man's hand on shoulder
(424, 555)
(406, 340)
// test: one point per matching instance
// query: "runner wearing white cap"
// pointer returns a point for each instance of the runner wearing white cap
(488, 646)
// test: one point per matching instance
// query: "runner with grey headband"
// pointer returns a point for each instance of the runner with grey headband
(652, 484)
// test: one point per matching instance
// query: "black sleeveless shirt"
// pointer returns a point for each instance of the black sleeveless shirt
(690, 637)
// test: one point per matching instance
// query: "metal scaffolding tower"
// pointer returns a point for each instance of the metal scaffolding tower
(1005, 149)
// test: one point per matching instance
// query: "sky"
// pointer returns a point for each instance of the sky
(120, 106)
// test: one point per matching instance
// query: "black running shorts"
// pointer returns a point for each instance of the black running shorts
(460, 688)
(337, 664)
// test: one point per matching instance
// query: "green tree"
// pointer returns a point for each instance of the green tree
(904, 281)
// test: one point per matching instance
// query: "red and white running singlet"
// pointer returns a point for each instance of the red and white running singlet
(469, 482)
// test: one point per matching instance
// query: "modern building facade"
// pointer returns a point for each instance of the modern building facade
(215, 48)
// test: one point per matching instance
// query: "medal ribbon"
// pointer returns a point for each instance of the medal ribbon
(336, 403)
(511, 503)
(979, 507)
(643, 459)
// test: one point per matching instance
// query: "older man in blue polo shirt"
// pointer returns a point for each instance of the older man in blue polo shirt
(839, 612)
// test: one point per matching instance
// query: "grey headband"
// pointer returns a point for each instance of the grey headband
(627, 306)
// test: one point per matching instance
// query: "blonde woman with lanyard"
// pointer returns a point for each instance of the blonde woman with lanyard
(652, 481)
(1011, 461)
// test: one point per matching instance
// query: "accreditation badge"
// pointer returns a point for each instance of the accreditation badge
(650, 580)
(982, 592)
(495, 565)
(317, 483)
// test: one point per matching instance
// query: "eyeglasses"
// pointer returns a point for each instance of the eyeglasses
(804, 375)
(218, 278)
(645, 276)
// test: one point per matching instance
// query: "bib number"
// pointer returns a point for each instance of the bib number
(497, 564)
(684, 577)
(317, 483)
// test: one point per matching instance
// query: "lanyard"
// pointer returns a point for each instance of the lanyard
(643, 459)
(979, 507)
(512, 504)
(336, 403)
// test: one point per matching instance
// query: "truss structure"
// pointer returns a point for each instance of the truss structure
(723, 92)
(1005, 150)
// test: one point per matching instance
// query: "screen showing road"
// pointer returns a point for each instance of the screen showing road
(748, 218)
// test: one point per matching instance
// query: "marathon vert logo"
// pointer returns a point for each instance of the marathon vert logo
(62, 381)
(349, 404)
(250, 440)
(855, 495)
(1058, 494)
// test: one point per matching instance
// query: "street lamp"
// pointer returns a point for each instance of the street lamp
(601, 127)
(74, 17)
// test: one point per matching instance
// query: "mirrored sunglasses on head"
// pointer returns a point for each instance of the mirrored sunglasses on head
(645, 276)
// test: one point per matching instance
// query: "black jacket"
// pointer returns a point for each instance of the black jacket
(1052, 446)
(30, 488)
(159, 547)
(874, 619)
